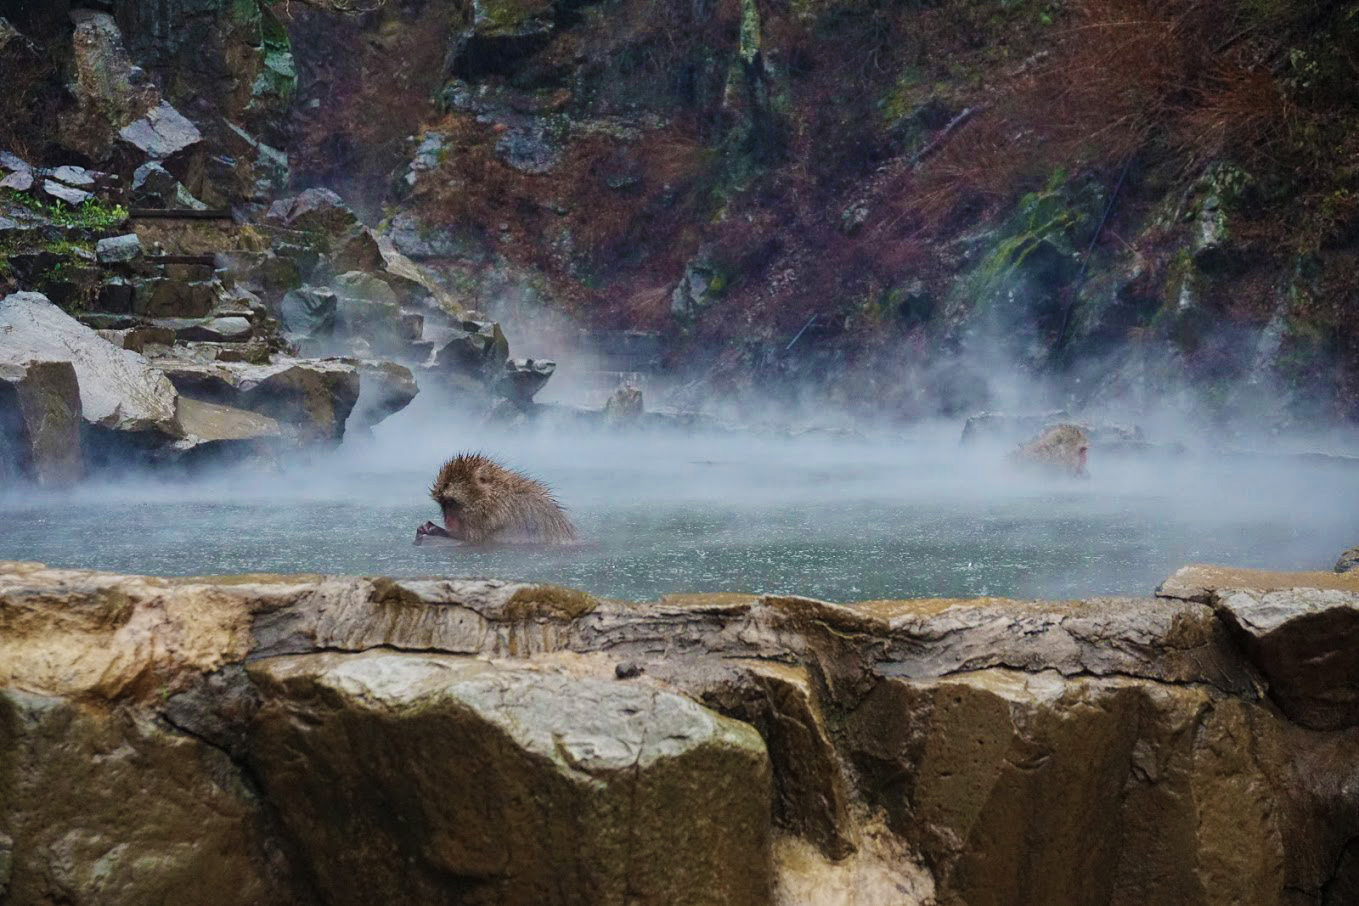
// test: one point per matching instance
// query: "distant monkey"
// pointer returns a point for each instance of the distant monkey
(1060, 448)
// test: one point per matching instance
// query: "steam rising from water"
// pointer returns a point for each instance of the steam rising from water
(833, 517)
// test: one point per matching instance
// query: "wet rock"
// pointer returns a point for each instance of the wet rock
(109, 807)
(154, 186)
(212, 422)
(523, 378)
(73, 197)
(162, 133)
(111, 93)
(527, 778)
(1300, 630)
(118, 249)
(811, 799)
(314, 396)
(73, 176)
(384, 390)
(40, 422)
(308, 313)
(18, 181)
(1348, 560)
(316, 210)
(160, 297)
(118, 389)
(213, 330)
(476, 349)
(1041, 789)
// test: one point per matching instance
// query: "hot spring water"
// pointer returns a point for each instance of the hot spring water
(838, 519)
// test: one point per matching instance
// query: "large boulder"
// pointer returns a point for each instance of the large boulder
(1033, 789)
(312, 396)
(107, 806)
(1300, 629)
(308, 313)
(163, 133)
(40, 422)
(512, 781)
(475, 349)
(118, 389)
(1347, 561)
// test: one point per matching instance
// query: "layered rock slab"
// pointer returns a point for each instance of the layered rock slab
(118, 389)
(437, 779)
(1301, 630)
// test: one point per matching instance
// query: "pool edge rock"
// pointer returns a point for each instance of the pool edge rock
(471, 740)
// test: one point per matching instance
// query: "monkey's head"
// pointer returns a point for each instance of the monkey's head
(467, 490)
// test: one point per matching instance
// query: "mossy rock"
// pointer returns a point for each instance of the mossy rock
(551, 602)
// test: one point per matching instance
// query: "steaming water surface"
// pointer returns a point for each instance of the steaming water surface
(840, 520)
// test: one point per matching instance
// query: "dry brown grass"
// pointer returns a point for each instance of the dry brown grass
(1179, 81)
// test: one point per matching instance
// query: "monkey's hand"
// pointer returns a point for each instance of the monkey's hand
(430, 530)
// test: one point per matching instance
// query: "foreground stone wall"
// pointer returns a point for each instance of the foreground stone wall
(306, 739)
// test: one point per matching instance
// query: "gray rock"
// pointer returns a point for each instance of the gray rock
(12, 163)
(384, 390)
(316, 210)
(213, 330)
(118, 249)
(40, 422)
(19, 181)
(477, 349)
(73, 176)
(73, 197)
(118, 389)
(361, 285)
(531, 148)
(697, 289)
(314, 396)
(1349, 560)
(523, 378)
(526, 778)
(154, 186)
(115, 296)
(308, 313)
(162, 133)
(419, 240)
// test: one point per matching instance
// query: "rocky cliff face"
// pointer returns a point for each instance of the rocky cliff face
(276, 739)
(880, 204)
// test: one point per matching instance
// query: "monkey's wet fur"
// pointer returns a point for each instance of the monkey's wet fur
(483, 502)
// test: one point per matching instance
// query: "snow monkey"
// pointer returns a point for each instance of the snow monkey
(485, 503)
(1060, 448)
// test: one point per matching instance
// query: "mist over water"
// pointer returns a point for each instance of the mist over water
(902, 515)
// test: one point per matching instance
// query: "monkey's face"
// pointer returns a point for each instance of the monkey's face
(459, 500)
